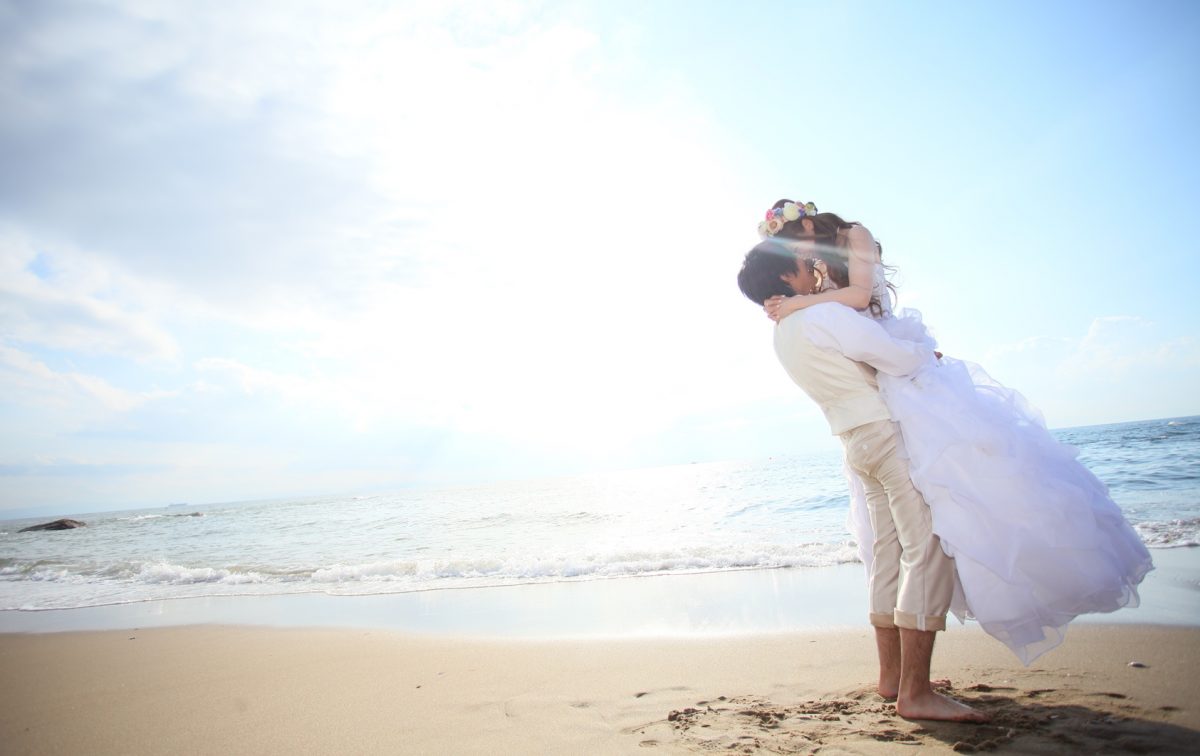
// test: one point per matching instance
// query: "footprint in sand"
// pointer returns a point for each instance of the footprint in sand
(1044, 720)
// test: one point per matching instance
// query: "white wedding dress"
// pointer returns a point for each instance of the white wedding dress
(1035, 536)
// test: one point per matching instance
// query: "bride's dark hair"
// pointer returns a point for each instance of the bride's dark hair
(825, 233)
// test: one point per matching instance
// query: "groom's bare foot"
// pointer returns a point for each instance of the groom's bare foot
(887, 640)
(936, 706)
(888, 689)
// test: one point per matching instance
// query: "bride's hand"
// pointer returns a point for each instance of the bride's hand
(779, 307)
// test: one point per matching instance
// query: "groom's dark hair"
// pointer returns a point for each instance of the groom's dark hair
(759, 279)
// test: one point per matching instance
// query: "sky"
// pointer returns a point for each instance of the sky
(271, 249)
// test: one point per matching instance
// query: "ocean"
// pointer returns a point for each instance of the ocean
(783, 512)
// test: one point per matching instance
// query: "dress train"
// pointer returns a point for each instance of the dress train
(1036, 539)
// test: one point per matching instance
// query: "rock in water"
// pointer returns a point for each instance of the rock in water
(56, 525)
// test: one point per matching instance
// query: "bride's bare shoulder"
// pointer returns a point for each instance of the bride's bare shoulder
(857, 236)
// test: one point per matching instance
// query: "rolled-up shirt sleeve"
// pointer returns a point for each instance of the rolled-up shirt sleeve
(837, 327)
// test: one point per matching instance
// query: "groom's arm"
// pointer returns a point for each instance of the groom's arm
(837, 327)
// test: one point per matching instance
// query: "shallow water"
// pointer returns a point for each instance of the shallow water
(781, 512)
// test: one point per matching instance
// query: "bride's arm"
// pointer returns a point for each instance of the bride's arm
(863, 256)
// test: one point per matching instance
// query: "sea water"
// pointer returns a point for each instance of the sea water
(784, 512)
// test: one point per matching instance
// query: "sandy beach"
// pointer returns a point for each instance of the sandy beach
(767, 661)
(253, 690)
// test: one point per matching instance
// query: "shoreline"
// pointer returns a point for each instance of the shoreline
(250, 690)
(720, 602)
(715, 603)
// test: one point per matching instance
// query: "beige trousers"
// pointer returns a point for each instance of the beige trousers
(911, 578)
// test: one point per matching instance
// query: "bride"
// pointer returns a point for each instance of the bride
(1035, 536)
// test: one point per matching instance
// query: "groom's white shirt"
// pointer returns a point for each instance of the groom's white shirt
(832, 353)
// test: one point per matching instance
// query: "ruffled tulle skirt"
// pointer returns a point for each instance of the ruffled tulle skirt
(1036, 539)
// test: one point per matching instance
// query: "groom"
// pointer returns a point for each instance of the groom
(833, 353)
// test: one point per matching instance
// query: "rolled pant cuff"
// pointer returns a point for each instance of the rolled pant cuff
(882, 620)
(919, 622)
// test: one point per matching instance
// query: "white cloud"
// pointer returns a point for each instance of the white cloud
(1112, 346)
(68, 307)
(118, 148)
(1038, 345)
(275, 158)
(371, 222)
(256, 380)
(1116, 346)
(26, 380)
(1121, 367)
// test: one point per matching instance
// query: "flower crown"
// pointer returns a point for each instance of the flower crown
(777, 216)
